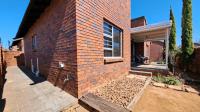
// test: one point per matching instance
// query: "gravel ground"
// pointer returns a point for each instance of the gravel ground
(121, 91)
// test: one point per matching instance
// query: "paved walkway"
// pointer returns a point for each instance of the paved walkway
(24, 92)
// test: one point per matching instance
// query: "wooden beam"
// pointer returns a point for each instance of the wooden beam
(101, 105)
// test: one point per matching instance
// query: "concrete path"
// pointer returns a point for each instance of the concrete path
(24, 92)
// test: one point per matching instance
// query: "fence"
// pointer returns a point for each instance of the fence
(14, 58)
(2, 70)
(194, 67)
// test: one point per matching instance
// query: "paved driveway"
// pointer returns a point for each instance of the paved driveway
(24, 92)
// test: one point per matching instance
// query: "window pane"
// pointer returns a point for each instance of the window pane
(112, 41)
(107, 42)
(107, 53)
(33, 42)
(34, 46)
(117, 42)
(107, 29)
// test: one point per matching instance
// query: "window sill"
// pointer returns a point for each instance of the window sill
(113, 60)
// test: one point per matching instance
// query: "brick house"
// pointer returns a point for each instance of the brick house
(17, 45)
(154, 50)
(78, 45)
(69, 42)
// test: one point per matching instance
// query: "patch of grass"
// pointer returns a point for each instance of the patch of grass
(170, 80)
(159, 78)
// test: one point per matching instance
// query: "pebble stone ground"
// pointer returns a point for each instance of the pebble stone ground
(21, 94)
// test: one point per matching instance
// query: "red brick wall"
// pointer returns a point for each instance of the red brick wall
(71, 31)
(92, 71)
(156, 51)
(14, 58)
(138, 22)
(56, 42)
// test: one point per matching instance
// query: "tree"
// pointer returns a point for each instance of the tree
(172, 36)
(187, 44)
(172, 43)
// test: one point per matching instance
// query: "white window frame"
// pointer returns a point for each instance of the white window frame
(112, 49)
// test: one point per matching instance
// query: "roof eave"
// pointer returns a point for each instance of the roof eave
(151, 27)
(33, 12)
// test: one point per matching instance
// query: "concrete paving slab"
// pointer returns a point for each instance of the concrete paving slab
(21, 96)
(178, 88)
(159, 84)
(192, 90)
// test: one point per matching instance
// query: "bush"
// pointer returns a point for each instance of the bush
(170, 80)
(159, 78)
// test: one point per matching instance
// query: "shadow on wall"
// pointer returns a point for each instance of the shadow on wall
(63, 49)
(20, 60)
(56, 43)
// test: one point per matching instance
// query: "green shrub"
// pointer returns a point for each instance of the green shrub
(159, 78)
(170, 80)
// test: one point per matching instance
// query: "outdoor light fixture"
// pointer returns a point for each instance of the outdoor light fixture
(61, 65)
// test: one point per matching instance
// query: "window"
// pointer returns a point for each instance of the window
(34, 43)
(112, 41)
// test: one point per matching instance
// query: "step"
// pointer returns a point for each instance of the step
(98, 104)
(143, 69)
(136, 72)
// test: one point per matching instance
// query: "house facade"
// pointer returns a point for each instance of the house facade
(77, 45)
(17, 45)
(153, 49)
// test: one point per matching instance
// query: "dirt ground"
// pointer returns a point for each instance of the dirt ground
(157, 99)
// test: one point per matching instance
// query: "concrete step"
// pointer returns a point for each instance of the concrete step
(153, 71)
(136, 72)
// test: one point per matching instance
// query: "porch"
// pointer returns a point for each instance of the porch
(150, 46)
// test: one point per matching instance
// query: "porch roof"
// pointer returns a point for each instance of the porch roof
(16, 41)
(156, 31)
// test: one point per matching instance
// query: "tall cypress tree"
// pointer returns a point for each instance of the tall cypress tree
(172, 42)
(172, 37)
(187, 44)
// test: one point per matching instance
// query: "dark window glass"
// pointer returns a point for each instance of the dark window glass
(107, 53)
(117, 42)
(34, 42)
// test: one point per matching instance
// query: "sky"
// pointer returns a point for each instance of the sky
(11, 14)
(12, 11)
